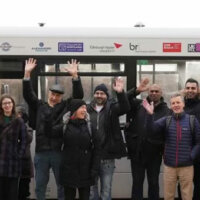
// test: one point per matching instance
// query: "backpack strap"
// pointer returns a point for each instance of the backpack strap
(168, 120)
(192, 124)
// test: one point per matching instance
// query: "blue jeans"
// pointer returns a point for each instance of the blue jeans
(105, 174)
(43, 162)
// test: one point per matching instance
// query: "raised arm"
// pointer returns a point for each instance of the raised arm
(72, 69)
(30, 64)
(28, 92)
(123, 105)
(154, 127)
(142, 87)
(149, 107)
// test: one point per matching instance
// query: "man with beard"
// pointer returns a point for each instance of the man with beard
(104, 113)
(192, 107)
(144, 150)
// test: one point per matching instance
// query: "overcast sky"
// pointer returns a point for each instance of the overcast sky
(100, 13)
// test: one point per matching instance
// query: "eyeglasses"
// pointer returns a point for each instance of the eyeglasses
(7, 103)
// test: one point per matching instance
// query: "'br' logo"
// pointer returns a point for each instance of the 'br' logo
(133, 47)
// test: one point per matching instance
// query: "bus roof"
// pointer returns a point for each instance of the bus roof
(100, 32)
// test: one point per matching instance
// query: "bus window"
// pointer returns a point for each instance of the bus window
(98, 67)
(169, 74)
(89, 83)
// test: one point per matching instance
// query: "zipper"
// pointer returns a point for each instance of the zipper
(98, 120)
(178, 138)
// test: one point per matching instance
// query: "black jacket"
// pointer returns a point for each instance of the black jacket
(142, 146)
(80, 155)
(44, 112)
(192, 107)
(108, 126)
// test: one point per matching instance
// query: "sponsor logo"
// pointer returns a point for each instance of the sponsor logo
(106, 48)
(41, 44)
(70, 47)
(194, 47)
(41, 48)
(138, 49)
(5, 46)
(134, 47)
(171, 47)
(117, 45)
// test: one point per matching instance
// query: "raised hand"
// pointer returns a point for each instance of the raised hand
(29, 66)
(148, 107)
(72, 68)
(143, 85)
(118, 85)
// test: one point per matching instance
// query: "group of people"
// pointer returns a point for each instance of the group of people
(80, 141)
(155, 131)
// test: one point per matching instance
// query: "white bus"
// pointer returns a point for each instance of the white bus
(166, 56)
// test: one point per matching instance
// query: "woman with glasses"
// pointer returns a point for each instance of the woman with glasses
(12, 147)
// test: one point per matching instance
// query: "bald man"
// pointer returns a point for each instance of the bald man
(145, 150)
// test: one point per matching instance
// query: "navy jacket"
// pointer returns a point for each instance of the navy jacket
(181, 146)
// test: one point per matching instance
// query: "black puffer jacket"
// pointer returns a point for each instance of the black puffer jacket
(44, 112)
(108, 126)
(142, 146)
(80, 155)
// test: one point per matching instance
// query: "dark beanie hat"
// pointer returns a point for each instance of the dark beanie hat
(102, 87)
(75, 104)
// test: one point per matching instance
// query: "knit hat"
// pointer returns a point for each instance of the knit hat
(102, 87)
(75, 104)
(57, 88)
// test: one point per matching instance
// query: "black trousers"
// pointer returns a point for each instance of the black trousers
(196, 193)
(70, 193)
(152, 168)
(8, 188)
(23, 192)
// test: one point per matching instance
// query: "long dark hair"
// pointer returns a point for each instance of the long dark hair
(13, 115)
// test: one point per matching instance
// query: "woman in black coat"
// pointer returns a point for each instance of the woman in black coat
(12, 148)
(80, 153)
